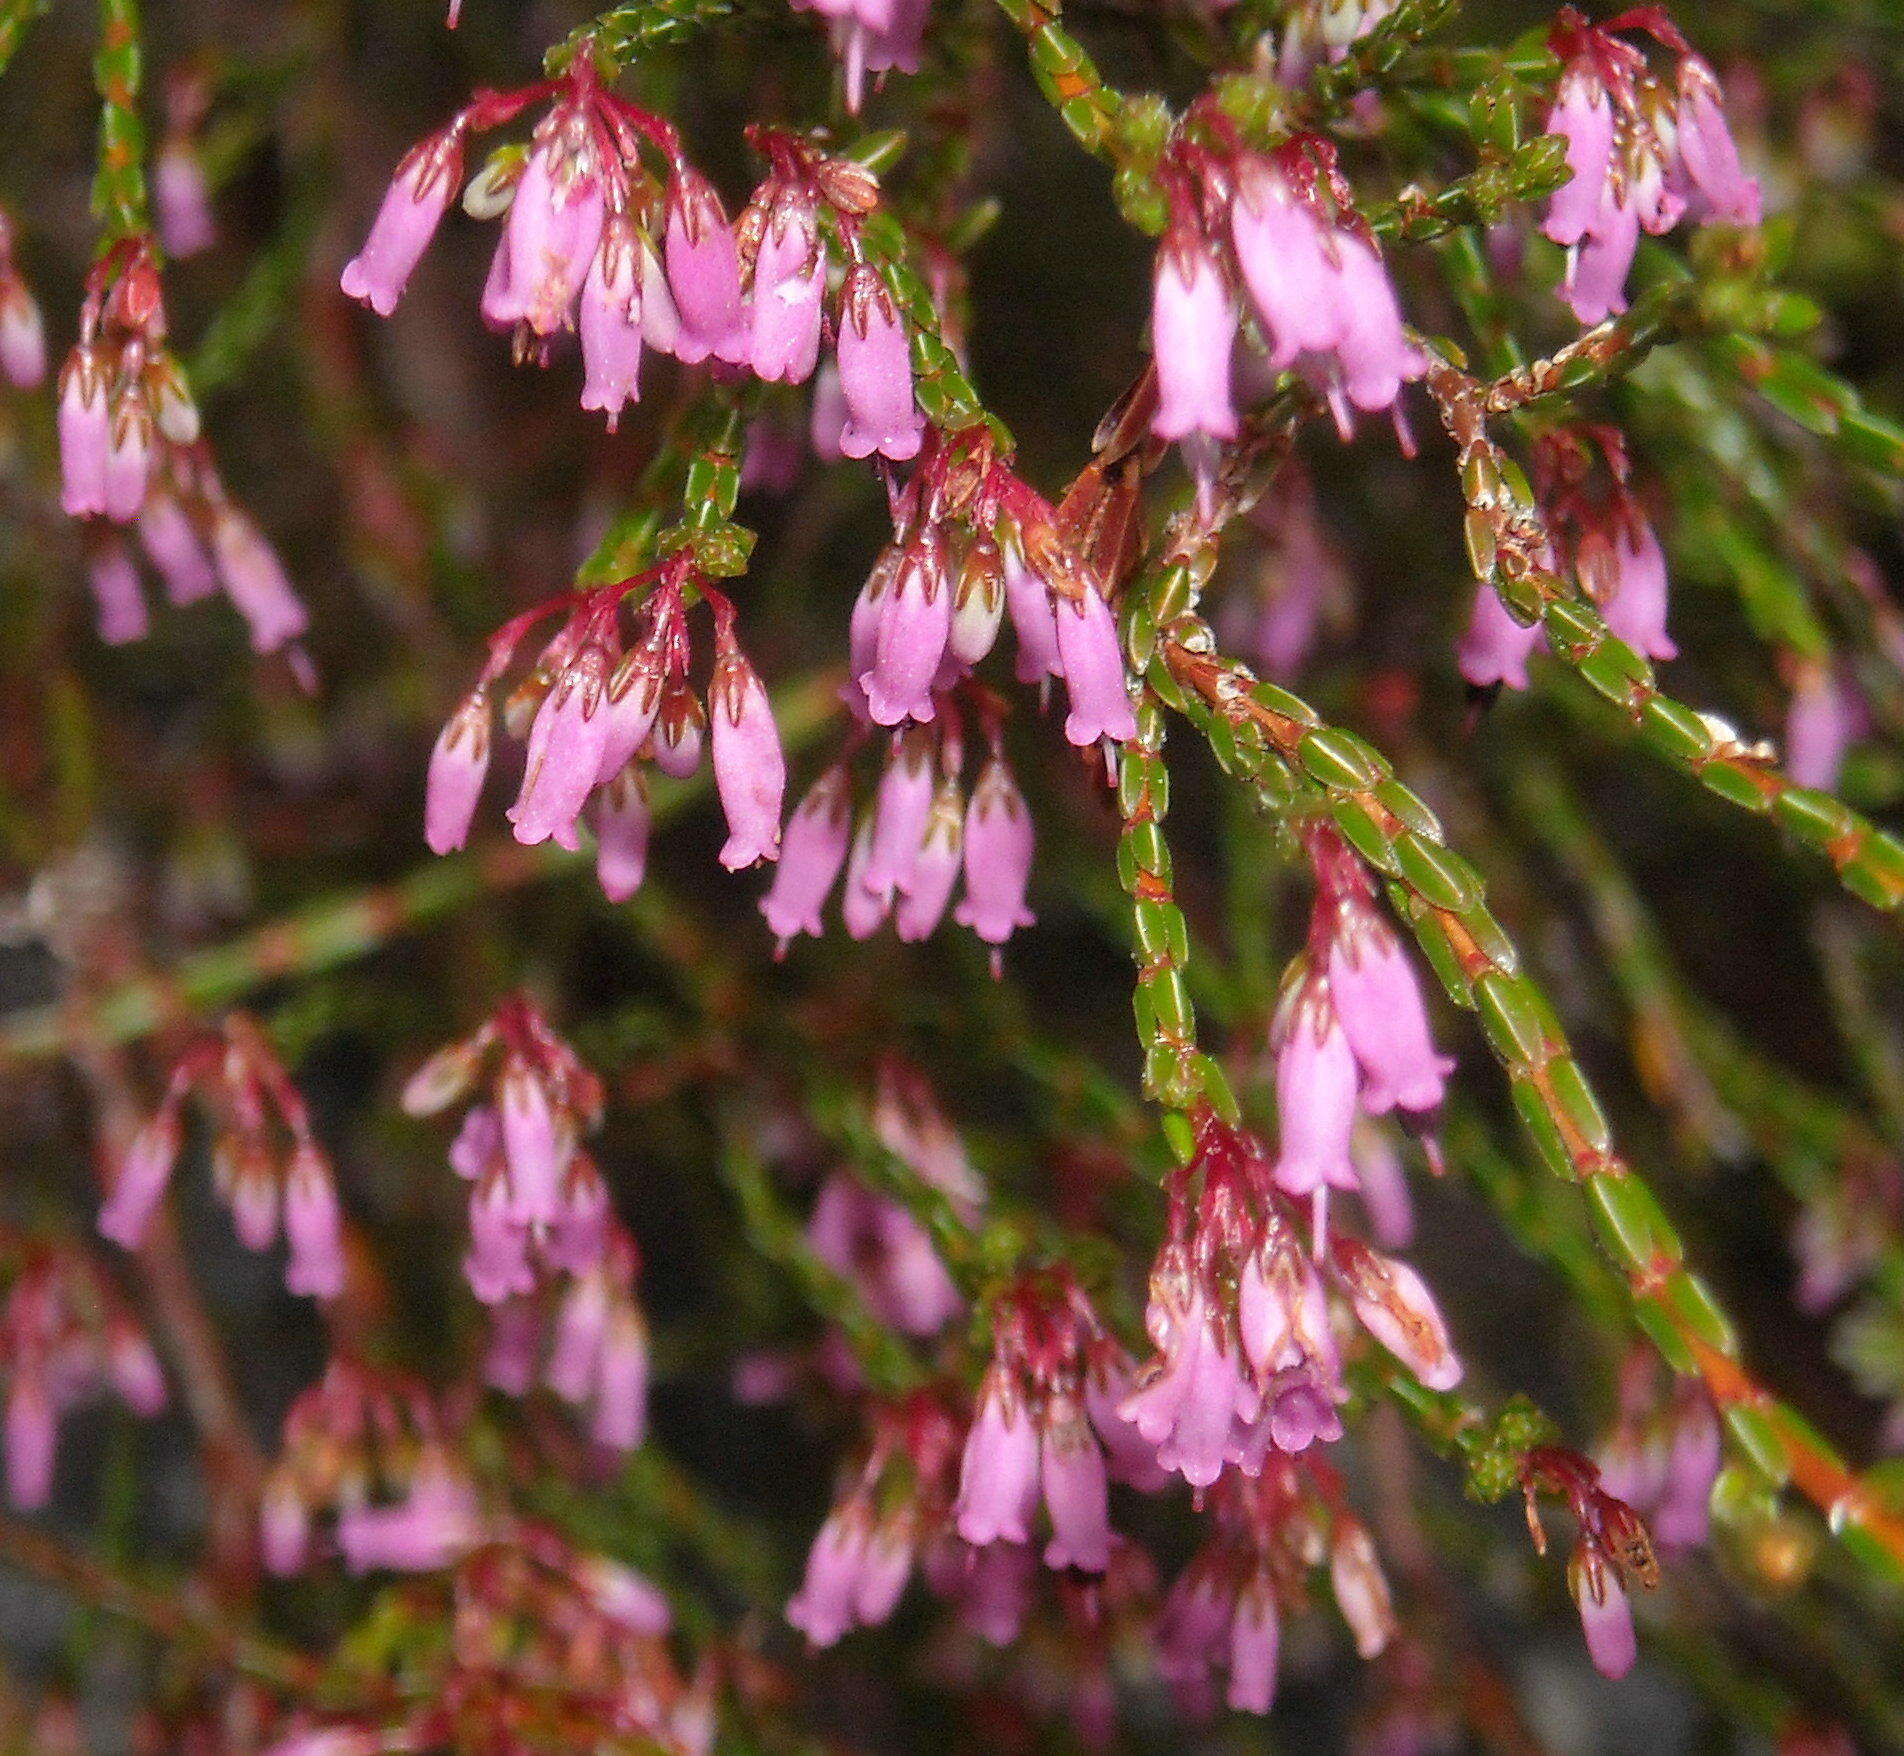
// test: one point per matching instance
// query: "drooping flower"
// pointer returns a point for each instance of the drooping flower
(875, 365)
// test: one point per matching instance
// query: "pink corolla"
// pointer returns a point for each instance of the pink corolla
(1379, 1000)
(1193, 335)
(875, 363)
(812, 854)
(413, 207)
(703, 262)
(999, 1472)
(750, 770)
(999, 843)
(855, 1574)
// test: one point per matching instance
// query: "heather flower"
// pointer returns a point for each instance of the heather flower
(1822, 719)
(913, 625)
(1283, 253)
(928, 886)
(901, 812)
(1623, 567)
(621, 834)
(85, 435)
(703, 262)
(413, 206)
(878, 1245)
(139, 1183)
(998, 847)
(117, 596)
(813, 850)
(1606, 1618)
(1378, 998)
(680, 730)
(1495, 647)
(1193, 330)
(458, 765)
(875, 364)
(255, 581)
(749, 768)
(1028, 602)
(788, 286)
(1094, 676)
(436, 1520)
(1194, 1403)
(1714, 184)
(1254, 1637)
(610, 323)
(1393, 1304)
(855, 1574)
(978, 608)
(181, 198)
(313, 1228)
(863, 905)
(1076, 1489)
(565, 751)
(497, 1265)
(1361, 1590)
(999, 1473)
(553, 230)
(173, 545)
(1315, 1094)
(22, 330)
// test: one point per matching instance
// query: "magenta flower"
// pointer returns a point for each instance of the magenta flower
(182, 201)
(1378, 998)
(704, 272)
(497, 1266)
(750, 771)
(85, 435)
(1624, 568)
(1281, 250)
(998, 1474)
(1494, 648)
(902, 808)
(174, 547)
(1254, 1638)
(565, 750)
(1606, 1618)
(1582, 115)
(1193, 1403)
(553, 230)
(928, 886)
(789, 284)
(855, 1574)
(1822, 720)
(412, 207)
(863, 906)
(1028, 602)
(458, 765)
(1094, 676)
(313, 1227)
(1393, 1303)
(536, 1145)
(140, 1180)
(1076, 1490)
(117, 597)
(621, 834)
(1193, 331)
(876, 372)
(909, 637)
(1315, 1096)
(31, 1439)
(610, 324)
(812, 852)
(22, 332)
(255, 581)
(1713, 182)
(999, 843)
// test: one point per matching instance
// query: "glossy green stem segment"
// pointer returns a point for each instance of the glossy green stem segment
(1069, 78)
(340, 929)
(1439, 894)
(618, 35)
(120, 203)
(1507, 544)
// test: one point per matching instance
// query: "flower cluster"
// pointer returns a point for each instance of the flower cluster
(1248, 1360)
(1224, 1613)
(1281, 226)
(590, 1631)
(1613, 1543)
(539, 1209)
(371, 1446)
(267, 1165)
(130, 453)
(1643, 155)
(65, 1335)
(598, 241)
(595, 713)
(1351, 1034)
(1049, 1411)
